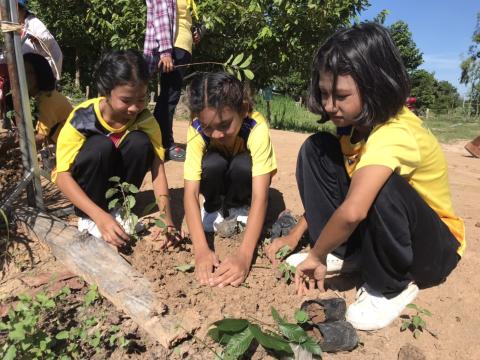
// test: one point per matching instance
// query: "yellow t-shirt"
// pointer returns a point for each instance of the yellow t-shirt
(184, 37)
(86, 120)
(258, 143)
(53, 111)
(405, 145)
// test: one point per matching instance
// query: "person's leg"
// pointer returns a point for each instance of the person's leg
(97, 161)
(323, 184)
(239, 181)
(404, 240)
(137, 157)
(212, 183)
(170, 91)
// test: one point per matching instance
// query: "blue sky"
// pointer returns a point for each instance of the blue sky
(442, 30)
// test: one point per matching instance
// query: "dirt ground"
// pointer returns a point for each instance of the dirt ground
(454, 304)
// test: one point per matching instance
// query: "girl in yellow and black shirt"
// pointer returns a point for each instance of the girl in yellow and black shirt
(113, 135)
(230, 160)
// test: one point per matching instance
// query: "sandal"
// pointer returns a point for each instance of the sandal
(175, 153)
(325, 310)
(285, 222)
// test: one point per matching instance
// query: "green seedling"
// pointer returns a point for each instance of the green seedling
(287, 271)
(237, 335)
(415, 323)
(122, 195)
(301, 316)
(282, 252)
(185, 268)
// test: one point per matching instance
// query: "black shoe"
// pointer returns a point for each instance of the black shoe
(334, 336)
(325, 310)
(285, 222)
(175, 153)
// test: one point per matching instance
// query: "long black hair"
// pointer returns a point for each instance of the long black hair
(367, 53)
(120, 67)
(43, 72)
(217, 90)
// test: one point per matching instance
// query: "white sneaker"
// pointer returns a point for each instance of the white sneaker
(334, 263)
(373, 311)
(240, 213)
(90, 226)
(211, 220)
(126, 224)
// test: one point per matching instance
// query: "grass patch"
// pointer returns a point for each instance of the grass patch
(454, 126)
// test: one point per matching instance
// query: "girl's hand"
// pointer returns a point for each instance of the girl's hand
(205, 262)
(272, 249)
(232, 271)
(166, 63)
(110, 229)
(309, 271)
(168, 236)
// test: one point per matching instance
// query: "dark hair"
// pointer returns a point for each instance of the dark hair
(367, 53)
(217, 90)
(43, 72)
(120, 67)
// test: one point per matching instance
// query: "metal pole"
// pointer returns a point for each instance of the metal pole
(23, 118)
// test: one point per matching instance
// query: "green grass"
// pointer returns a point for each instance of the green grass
(454, 126)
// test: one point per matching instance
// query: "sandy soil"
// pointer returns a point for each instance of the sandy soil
(455, 320)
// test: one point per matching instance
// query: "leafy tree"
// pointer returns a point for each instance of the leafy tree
(447, 97)
(424, 86)
(471, 66)
(402, 37)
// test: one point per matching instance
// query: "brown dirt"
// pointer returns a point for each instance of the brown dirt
(455, 320)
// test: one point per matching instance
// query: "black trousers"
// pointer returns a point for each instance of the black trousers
(227, 177)
(402, 239)
(99, 160)
(170, 91)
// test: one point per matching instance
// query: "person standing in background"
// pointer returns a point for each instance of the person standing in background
(168, 43)
(38, 40)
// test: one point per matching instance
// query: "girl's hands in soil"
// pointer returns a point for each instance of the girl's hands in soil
(110, 229)
(272, 249)
(232, 271)
(309, 271)
(205, 262)
(168, 236)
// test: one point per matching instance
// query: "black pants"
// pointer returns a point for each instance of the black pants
(170, 90)
(402, 239)
(99, 160)
(231, 178)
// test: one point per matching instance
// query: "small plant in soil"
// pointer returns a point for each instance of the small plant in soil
(44, 327)
(122, 195)
(287, 272)
(237, 336)
(416, 323)
(282, 252)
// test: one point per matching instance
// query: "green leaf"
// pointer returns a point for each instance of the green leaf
(276, 316)
(110, 192)
(238, 344)
(62, 335)
(160, 223)
(416, 320)
(230, 70)
(114, 179)
(412, 306)
(133, 189)
(282, 252)
(91, 295)
(269, 341)
(238, 74)
(113, 203)
(301, 316)
(130, 201)
(219, 336)
(185, 267)
(228, 61)
(293, 332)
(237, 59)
(426, 312)
(231, 325)
(18, 334)
(11, 353)
(248, 74)
(312, 346)
(404, 326)
(247, 62)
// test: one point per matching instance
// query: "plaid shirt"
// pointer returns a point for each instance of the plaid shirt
(161, 27)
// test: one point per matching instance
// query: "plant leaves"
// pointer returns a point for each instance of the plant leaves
(404, 326)
(293, 332)
(238, 344)
(231, 325)
(113, 203)
(219, 336)
(160, 223)
(130, 201)
(229, 59)
(133, 189)
(62, 335)
(269, 341)
(11, 353)
(114, 179)
(412, 306)
(276, 316)
(230, 70)
(248, 74)
(416, 320)
(237, 59)
(185, 267)
(247, 62)
(301, 316)
(312, 346)
(239, 75)
(110, 192)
